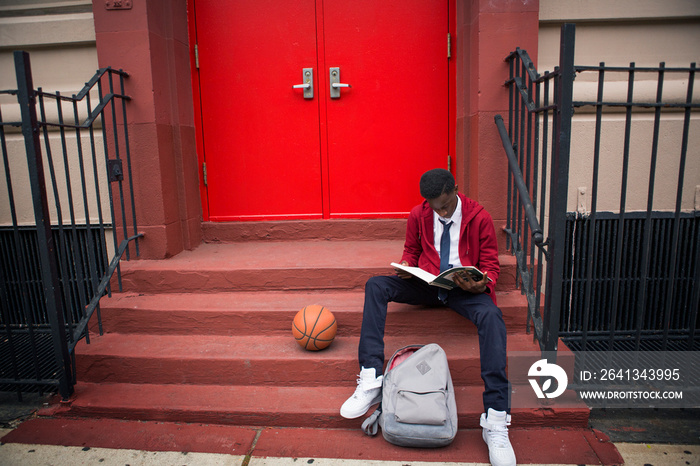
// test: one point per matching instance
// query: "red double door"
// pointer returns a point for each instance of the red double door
(280, 141)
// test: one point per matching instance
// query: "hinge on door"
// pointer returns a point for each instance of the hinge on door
(204, 172)
(449, 46)
(196, 56)
(449, 163)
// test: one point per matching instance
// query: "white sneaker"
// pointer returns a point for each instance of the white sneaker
(495, 434)
(367, 393)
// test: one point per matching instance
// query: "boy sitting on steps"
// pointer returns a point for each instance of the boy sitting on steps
(447, 230)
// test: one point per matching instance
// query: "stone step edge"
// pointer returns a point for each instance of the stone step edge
(142, 277)
(271, 347)
(282, 406)
(304, 230)
(241, 313)
(235, 300)
(272, 360)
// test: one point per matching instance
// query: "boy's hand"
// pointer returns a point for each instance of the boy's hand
(402, 273)
(467, 283)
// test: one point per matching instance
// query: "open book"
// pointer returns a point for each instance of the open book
(444, 280)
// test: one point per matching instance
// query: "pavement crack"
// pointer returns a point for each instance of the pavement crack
(248, 455)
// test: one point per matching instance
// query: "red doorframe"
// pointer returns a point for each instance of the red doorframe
(196, 97)
(321, 86)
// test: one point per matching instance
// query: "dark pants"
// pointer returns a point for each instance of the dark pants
(479, 308)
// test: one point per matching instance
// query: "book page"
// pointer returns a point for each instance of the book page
(415, 271)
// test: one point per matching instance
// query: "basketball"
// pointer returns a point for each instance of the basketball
(314, 327)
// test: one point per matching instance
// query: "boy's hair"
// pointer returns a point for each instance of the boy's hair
(436, 182)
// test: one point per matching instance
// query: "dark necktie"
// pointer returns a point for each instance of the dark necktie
(444, 256)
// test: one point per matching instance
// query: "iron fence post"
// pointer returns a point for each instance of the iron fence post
(47, 250)
(559, 188)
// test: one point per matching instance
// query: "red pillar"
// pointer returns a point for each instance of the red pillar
(150, 42)
(487, 31)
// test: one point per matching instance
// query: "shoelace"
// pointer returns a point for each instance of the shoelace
(359, 389)
(499, 436)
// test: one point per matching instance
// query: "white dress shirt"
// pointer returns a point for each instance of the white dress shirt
(454, 232)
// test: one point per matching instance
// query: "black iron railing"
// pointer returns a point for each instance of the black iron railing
(537, 146)
(617, 279)
(56, 258)
(663, 307)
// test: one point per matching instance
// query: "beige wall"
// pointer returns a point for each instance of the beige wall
(59, 35)
(60, 38)
(618, 32)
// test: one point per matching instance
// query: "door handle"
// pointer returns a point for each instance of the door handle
(307, 76)
(335, 82)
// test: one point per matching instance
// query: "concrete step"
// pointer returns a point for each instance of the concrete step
(291, 446)
(205, 336)
(305, 230)
(261, 360)
(253, 313)
(315, 230)
(274, 265)
(280, 406)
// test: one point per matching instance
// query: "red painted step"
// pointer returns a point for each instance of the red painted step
(305, 230)
(531, 445)
(280, 406)
(258, 360)
(205, 337)
(272, 265)
(252, 313)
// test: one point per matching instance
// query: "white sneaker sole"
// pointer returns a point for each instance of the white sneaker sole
(356, 414)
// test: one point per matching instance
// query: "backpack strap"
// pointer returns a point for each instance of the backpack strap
(371, 424)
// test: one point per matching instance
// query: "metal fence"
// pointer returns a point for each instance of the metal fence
(68, 216)
(604, 278)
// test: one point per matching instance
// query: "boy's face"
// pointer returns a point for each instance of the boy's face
(445, 204)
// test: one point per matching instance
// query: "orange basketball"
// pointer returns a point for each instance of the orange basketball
(314, 327)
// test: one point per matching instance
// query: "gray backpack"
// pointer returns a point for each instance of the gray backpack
(418, 407)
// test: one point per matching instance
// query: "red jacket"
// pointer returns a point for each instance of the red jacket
(477, 240)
